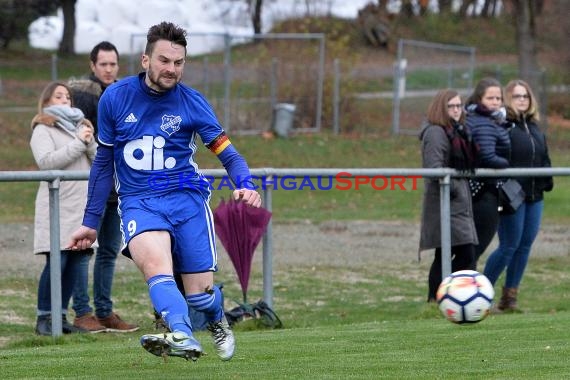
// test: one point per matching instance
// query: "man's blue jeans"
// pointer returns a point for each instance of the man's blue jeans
(109, 238)
(517, 233)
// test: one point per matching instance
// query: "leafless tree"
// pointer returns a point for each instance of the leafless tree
(16, 16)
(67, 44)
(407, 9)
(525, 14)
(465, 4)
(444, 6)
(255, 7)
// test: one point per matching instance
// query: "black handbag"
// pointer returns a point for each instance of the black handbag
(511, 196)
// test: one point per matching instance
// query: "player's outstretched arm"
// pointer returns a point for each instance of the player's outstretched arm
(82, 238)
(237, 168)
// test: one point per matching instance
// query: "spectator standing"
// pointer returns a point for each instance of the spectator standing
(486, 118)
(104, 64)
(62, 139)
(517, 231)
(148, 129)
(447, 143)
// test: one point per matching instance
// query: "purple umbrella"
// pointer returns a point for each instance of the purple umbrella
(240, 228)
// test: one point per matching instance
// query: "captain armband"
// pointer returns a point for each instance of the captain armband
(220, 143)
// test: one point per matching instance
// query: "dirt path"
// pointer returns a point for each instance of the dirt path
(336, 243)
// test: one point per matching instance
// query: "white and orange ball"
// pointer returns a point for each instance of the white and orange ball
(465, 297)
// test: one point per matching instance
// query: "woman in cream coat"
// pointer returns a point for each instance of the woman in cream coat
(62, 139)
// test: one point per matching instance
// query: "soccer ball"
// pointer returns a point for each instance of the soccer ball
(465, 296)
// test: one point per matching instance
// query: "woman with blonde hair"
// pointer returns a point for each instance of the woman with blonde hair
(517, 231)
(62, 139)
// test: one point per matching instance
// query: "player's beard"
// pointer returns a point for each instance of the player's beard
(161, 81)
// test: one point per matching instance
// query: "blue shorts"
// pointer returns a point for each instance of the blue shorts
(186, 216)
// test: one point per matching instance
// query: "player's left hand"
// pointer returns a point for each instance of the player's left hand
(250, 197)
(82, 238)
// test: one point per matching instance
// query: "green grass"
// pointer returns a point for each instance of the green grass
(360, 323)
(316, 151)
(340, 322)
(389, 350)
(356, 323)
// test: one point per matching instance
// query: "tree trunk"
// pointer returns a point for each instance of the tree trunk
(407, 9)
(423, 7)
(256, 15)
(444, 6)
(489, 8)
(526, 40)
(67, 44)
(465, 6)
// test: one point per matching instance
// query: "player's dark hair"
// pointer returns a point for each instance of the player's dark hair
(105, 46)
(165, 31)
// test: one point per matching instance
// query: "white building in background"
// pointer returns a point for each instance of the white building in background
(116, 21)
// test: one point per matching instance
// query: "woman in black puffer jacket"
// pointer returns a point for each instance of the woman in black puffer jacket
(486, 120)
(518, 231)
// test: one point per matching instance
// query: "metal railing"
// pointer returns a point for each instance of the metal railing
(269, 175)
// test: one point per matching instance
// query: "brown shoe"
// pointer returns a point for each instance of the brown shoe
(114, 323)
(90, 323)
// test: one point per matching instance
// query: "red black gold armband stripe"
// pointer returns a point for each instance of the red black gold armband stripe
(220, 143)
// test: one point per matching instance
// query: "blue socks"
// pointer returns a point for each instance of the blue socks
(169, 302)
(210, 303)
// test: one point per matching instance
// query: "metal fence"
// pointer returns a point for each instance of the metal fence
(369, 98)
(54, 177)
(422, 68)
(244, 88)
(245, 78)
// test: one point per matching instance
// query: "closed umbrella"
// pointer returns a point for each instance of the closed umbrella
(240, 228)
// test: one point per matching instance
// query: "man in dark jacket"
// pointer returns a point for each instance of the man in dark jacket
(104, 64)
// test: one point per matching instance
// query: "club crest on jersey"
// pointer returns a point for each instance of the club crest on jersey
(170, 124)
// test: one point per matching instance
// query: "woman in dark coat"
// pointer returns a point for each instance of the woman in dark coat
(518, 231)
(446, 143)
(486, 119)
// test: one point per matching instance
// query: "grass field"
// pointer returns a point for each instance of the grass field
(356, 323)
(375, 326)
(359, 322)
(521, 347)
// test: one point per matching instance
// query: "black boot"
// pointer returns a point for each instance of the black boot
(68, 328)
(43, 325)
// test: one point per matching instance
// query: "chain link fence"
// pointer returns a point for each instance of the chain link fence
(249, 80)
(392, 97)
(245, 78)
(421, 69)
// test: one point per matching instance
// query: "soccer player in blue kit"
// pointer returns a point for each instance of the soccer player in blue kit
(148, 126)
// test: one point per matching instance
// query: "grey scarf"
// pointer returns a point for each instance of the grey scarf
(67, 117)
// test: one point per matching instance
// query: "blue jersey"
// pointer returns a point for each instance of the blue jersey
(153, 136)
